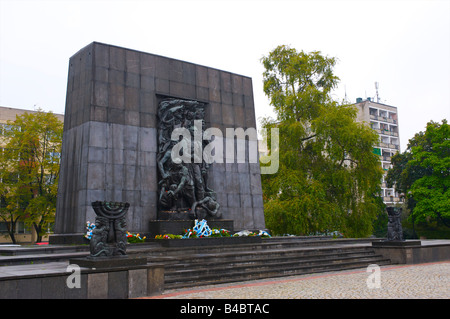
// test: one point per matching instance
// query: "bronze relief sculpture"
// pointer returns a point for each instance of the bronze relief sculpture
(182, 167)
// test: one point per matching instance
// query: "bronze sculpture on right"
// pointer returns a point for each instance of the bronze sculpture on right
(394, 230)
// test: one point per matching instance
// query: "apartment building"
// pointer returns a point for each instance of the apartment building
(384, 120)
(23, 234)
(9, 114)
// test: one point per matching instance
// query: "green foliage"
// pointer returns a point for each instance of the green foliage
(422, 173)
(168, 236)
(328, 178)
(215, 232)
(29, 168)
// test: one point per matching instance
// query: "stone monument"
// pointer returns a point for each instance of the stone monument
(394, 229)
(119, 106)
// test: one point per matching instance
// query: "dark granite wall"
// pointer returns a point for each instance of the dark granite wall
(110, 136)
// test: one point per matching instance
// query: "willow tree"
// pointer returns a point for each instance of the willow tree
(29, 169)
(328, 178)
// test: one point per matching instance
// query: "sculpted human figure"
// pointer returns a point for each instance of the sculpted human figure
(166, 156)
(209, 204)
(120, 227)
(196, 166)
(180, 184)
(99, 239)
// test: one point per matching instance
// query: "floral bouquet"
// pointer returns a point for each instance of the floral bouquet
(89, 228)
(135, 238)
(247, 233)
(168, 236)
(220, 233)
(200, 230)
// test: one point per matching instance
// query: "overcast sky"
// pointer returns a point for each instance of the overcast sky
(403, 45)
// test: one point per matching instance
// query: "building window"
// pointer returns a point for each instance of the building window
(21, 228)
(54, 157)
(373, 111)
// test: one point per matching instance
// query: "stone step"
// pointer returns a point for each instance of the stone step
(271, 272)
(190, 261)
(39, 258)
(19, 250)
(154, 248)
(238, 265)
(212, 259)
(237, 259)
(253, 265)
(299, 250)
(267, 244)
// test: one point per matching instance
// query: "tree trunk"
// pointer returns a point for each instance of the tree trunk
(38, 229)
(11, 228)
(13, 238)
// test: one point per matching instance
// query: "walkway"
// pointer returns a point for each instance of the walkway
(420, 281)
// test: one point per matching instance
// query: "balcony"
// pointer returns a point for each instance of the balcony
(392, 199)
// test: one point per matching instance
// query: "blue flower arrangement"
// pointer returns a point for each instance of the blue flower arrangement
(89, 228)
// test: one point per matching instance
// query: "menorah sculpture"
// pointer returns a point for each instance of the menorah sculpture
(109, 237)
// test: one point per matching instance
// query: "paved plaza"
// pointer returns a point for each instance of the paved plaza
(420, 281)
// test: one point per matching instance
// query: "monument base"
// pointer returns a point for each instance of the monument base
(413, 251)
(176, 215)
(204, 242)
(177, 227)
(395, 243)
(184, 215)
(68, 239)
(108, 262)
